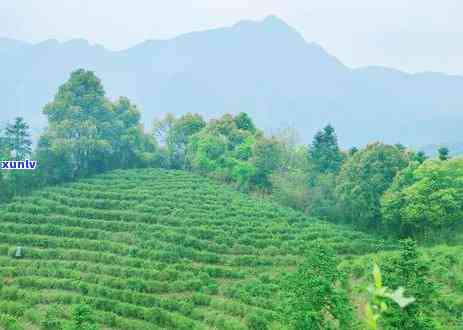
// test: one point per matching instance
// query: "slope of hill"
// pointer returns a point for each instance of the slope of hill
(154, 249)
(263, 68)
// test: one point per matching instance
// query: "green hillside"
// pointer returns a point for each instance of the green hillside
(154, 249)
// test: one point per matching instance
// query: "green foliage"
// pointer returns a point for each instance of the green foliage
(131, 148)
(10, 322)
(364, 178)
(52, 319)
(87, 134)
(15, 144)
(266, 160)
(419, 157)
(380, 296)
(324, 153)
(425, 198)
(232, 150)
(312, 295)
(17, 139)
(83, 318)
(178, 137)
(443, 153)
(244, 122)
(410, 271)
(257, 322)
(324, 161)
(321, 197)
(289, 188)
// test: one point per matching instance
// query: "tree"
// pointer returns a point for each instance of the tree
(424, 198)
(289, 181)
(312, 296)
(236, 155)
(364, 178)
(79, 120)
(325, 160)
(16, 144)
(206, 152)
(443, 153)
(353, 151)
(131, 147)
(244, 122)
(178, 137)
(419, 157)
(321, 197)
(17, 139)
(267, 158)
(324, 153)
(162, 127)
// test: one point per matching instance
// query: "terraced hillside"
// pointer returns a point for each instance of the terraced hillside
(153, 249)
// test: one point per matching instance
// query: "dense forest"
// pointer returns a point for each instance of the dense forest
(406, 202)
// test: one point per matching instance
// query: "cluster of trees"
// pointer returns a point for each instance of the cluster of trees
(87, 134)
(377, 187)
(229, 148)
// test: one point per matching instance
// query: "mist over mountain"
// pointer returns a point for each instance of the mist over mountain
(264, 68)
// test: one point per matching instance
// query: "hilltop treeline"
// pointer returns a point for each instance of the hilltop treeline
(380, 187)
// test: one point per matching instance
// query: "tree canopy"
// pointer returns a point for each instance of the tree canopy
(364, 178)
(88, 134)
(425, 197)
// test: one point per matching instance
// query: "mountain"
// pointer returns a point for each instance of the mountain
(265, 68)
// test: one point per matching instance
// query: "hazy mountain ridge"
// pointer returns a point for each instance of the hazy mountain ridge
(264, 68)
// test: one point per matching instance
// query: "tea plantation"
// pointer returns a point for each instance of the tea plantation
(154, 249)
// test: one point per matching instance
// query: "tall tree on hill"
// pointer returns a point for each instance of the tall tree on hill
(419, 157)
(244, 122)
(131, 147)
(79, 124)
(443, 153)
(364, 178)
(324, 153)
(16, 144)
(17, 138)
(325, 160)
(87, 134)
(267, 158)
(179, 134)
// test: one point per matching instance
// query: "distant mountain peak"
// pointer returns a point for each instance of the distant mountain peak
(269, 21)
(275, 20)
(270, 27)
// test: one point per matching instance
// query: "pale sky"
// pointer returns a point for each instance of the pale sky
(412, 35)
